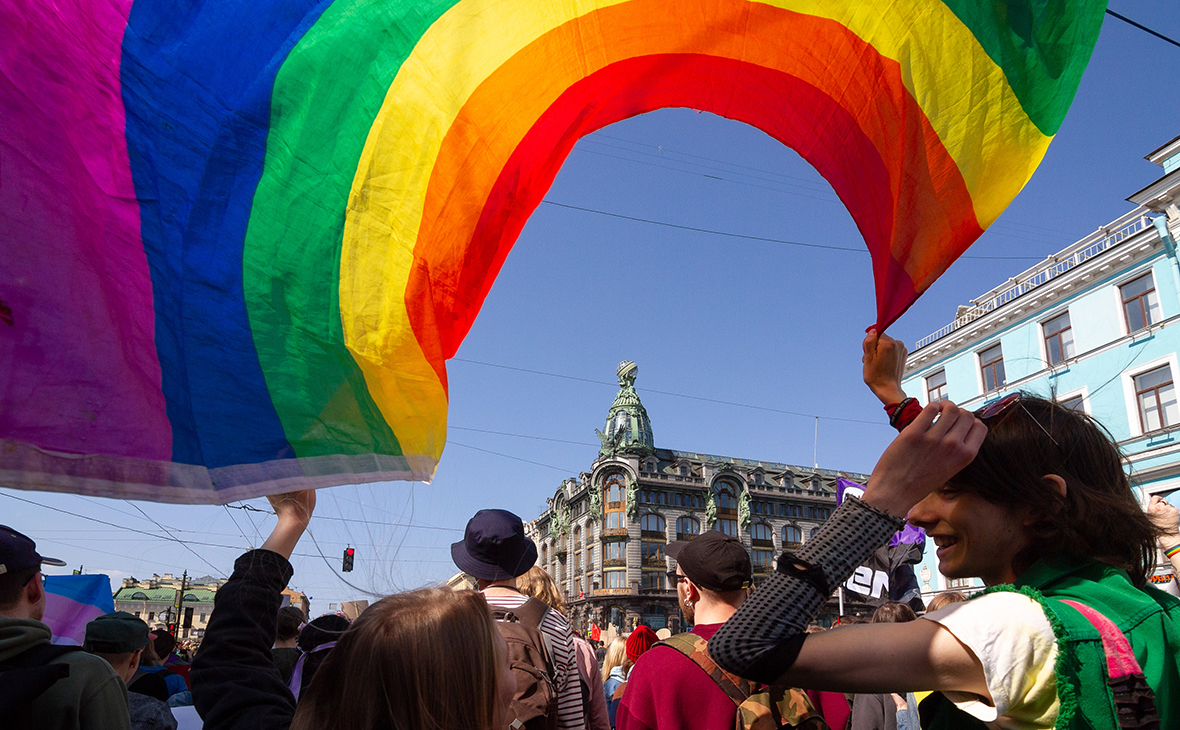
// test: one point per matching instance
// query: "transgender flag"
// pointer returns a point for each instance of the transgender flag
(72, 601)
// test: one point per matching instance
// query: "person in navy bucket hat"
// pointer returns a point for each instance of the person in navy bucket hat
(494, 547)
(495, 551)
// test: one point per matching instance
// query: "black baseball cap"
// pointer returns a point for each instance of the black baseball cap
(18, 552)
(714, 561)
(116, 633)
(494, 546)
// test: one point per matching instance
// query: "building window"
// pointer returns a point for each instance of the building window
(204, 618)
(991, 364)
(1075, 403)
(614, 551)
(578, 587)
(1141, 303)
(655, 617)
(760, 532)
(936, 387)
(959, 583)
(684, 470)
(151, 615)
(687, 528)
(1058, 338)
(761, 558)
(137, 614)
(577, 550)
(615, 502)
(792, 537)
(1156, 395)
(728, 527)
(654, 580)
(727, 509)
(614, 578)
(652, 525)
(758, 479)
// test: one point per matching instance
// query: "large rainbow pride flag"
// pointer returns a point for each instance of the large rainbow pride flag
(240, 240)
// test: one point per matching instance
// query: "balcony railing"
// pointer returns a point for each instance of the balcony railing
(1105, 238)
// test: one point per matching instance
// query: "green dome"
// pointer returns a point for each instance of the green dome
(627, 426)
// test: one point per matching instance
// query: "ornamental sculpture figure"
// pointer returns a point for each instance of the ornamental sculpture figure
(561, 520)
(595, 503)
(632, 499)
(744, 508)
(711, 510)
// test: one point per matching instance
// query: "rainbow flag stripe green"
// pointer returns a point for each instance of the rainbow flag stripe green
(243, 239)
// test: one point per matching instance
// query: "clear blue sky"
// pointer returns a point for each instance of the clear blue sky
(717, 317)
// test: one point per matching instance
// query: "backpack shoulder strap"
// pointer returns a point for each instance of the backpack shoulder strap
(532, 613)
(696, 648)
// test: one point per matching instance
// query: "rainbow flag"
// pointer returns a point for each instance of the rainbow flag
(72, 601)
(242, 239)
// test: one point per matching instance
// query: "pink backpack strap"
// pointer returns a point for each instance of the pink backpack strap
(1133, 699)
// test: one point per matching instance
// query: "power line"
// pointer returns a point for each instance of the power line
(173, 537)
(514, 458)
(668, 393)
(1143, 28)
(521, 435)
(764, 239)
(357, 521)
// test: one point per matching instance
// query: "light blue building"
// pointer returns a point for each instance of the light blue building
(1096, 326)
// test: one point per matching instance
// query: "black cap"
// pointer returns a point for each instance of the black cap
(116, 633)
(714, 561)
(494, 546)
(18, 552)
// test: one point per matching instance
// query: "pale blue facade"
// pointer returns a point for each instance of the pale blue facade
(1117, 359)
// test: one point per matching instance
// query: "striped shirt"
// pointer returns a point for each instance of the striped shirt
(569, 685)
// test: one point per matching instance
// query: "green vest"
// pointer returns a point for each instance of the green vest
(1149, 618)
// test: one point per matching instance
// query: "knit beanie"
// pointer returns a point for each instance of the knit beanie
(640, 640)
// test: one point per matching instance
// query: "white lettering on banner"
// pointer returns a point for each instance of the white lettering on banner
(869, 582)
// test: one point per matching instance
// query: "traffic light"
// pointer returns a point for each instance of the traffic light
(348, 553)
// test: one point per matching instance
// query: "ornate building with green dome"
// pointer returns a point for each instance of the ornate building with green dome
(603, 535)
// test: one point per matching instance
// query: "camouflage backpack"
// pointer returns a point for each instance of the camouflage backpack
(759, 706)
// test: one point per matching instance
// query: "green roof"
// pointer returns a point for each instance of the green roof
(151, 595)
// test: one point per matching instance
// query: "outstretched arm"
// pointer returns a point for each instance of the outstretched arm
(764, 640)
(1166, 517)
(235, 682)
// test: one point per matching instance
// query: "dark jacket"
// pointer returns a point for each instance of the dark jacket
(236, 685)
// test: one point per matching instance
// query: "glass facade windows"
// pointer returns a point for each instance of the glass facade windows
(1058, 339)
(614, 578)
(936, 387)
(614, 551)
(1156, 394)
(1141, 303)
(991, 364)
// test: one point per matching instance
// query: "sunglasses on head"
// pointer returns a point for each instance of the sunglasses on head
(995, 408)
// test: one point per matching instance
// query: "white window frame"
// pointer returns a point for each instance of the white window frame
(1117, 293)
(1045, 345)
(1132, 402)
(926, 384)
(1084, 392)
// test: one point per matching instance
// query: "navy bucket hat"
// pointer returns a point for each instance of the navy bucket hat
(494, 546)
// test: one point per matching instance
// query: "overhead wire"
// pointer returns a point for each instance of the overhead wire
(174, 538)
(1143, 28)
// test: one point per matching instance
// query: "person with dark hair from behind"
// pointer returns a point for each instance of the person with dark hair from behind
(879, 711)
(675, 685)
(429, 659)
(286, 650)
(119, 638)
(44, 686)
(1026, 494)
(315, 642)
(165, 646)
(153, 679)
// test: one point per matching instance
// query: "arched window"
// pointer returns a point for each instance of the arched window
(727, 505)
(684, 470)
(760, 532)
(191, 597)
(687, 528)
(758, 478)
(139, 596)
(792, 537)
(652, 523)
(614, 498)
(577, 550)
(812, 533)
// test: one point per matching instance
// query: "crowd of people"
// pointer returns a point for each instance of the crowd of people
(1026, 494)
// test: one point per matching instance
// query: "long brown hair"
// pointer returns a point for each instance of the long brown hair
(1098, 518)
(538, 584)
(428, 659)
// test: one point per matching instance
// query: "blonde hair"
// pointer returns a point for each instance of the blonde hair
(538, 584)
(943, 600)
(616, 656)
(429, 659)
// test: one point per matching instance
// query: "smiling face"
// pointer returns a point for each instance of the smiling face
(974, 537)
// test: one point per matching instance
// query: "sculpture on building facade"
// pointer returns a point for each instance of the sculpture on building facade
(744, 508)
(595, 506)
(710, 510)
(632, 499)
(561, 520)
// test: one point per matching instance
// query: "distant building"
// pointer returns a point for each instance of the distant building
(602, 537)
(157, 601)
(1094, 326)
